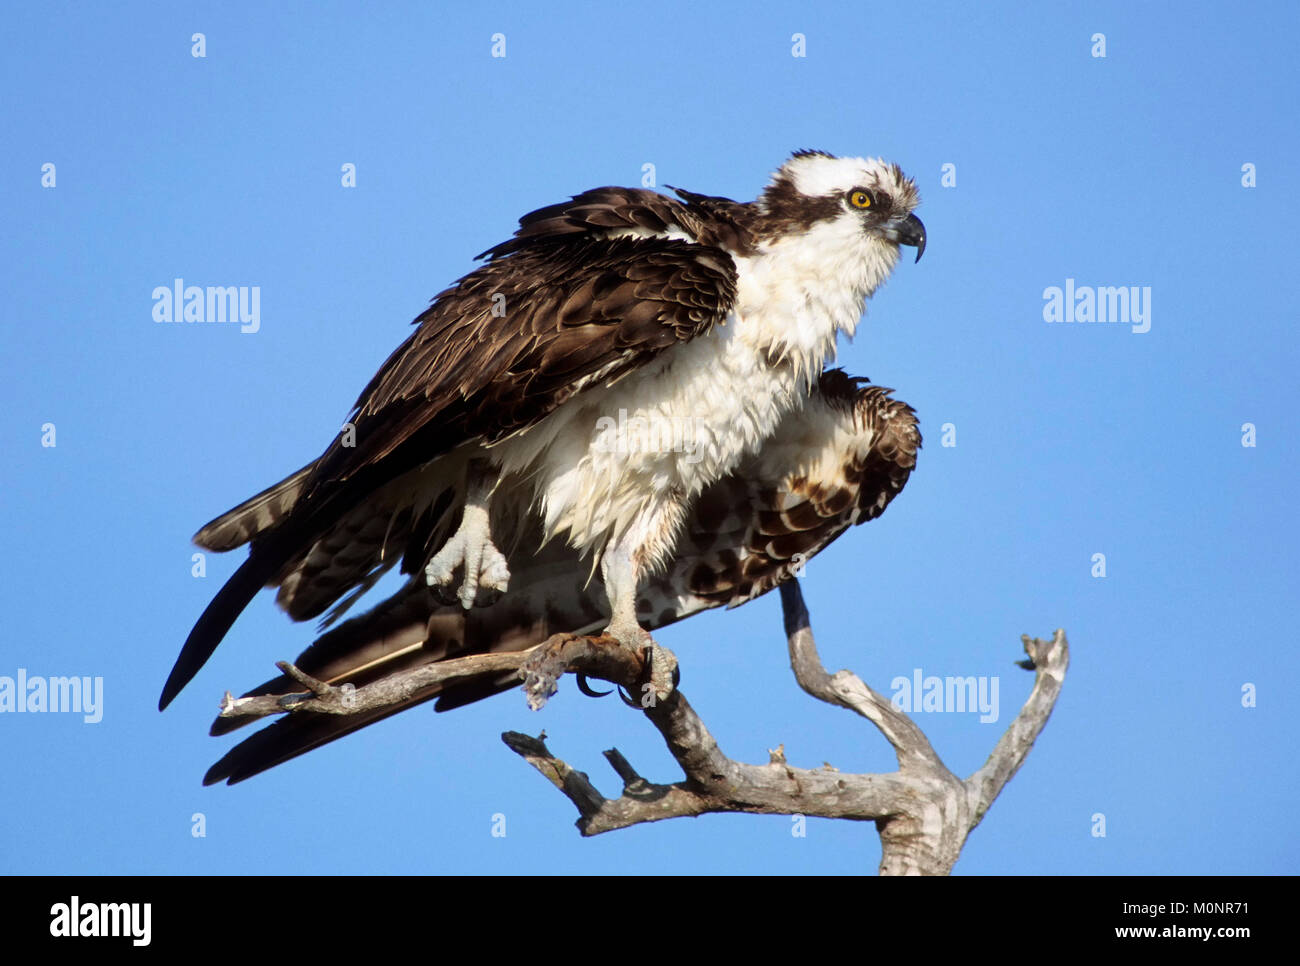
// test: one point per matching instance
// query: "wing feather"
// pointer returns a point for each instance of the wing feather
(609, 211)
(738, 544)
(493, 355)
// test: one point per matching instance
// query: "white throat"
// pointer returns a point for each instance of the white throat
(800, 292)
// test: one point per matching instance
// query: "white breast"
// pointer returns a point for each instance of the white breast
(608, 459)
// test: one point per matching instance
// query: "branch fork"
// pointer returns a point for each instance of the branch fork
(923, 812)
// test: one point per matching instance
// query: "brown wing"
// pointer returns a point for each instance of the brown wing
(609, 211)
(740, 541)
(773, 531)
(518, 337)
(493, 355)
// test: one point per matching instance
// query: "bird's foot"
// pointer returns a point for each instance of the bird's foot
(661, 675)
(552, 658)
(470, 549)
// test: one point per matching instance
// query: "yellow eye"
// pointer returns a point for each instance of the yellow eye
(859, 198)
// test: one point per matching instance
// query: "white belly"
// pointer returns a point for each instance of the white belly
(608, 462)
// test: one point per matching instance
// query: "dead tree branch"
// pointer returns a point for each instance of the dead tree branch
(923, 812)
(325, 698)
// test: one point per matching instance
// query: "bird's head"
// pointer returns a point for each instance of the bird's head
(847, 196)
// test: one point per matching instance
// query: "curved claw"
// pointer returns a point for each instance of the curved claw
(588, 690)
(627, 699)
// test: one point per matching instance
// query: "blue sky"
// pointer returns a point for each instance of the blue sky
(1071, 439)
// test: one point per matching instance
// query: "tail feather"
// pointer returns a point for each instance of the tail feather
(216, 620)
(360, 650)
(292, 524)
(296, 735)
(254, 516)
(406, 632)
(746, 534)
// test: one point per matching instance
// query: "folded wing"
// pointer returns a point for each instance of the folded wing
(837, 462)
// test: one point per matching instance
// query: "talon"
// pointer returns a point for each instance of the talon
(664, 673)
(627, 699)
(445, 593)
(588, 690)
(660, 663)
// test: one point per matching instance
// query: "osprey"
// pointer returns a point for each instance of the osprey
(527, 414)
(836, 461)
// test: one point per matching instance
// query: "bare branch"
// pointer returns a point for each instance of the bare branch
(1049, 659)
(846, 689)
(575, 785)
(325, 698)
(923, 812)
(625, 771)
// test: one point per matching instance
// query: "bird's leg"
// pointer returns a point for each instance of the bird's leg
(471, 546)
(621, 567)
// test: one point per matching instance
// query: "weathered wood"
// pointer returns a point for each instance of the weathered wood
(923, 812)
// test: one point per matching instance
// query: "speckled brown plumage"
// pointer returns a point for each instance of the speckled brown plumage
(587, 296)
(739, 543)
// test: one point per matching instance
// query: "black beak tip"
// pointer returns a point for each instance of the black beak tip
(915, 235)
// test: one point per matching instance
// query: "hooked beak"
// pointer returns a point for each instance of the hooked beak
(910, 232)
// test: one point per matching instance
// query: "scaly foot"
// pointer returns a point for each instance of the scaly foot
(662, 663)
(552, 658)
(471, 548)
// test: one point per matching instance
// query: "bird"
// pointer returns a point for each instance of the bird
(578, 393)
(837, 461)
